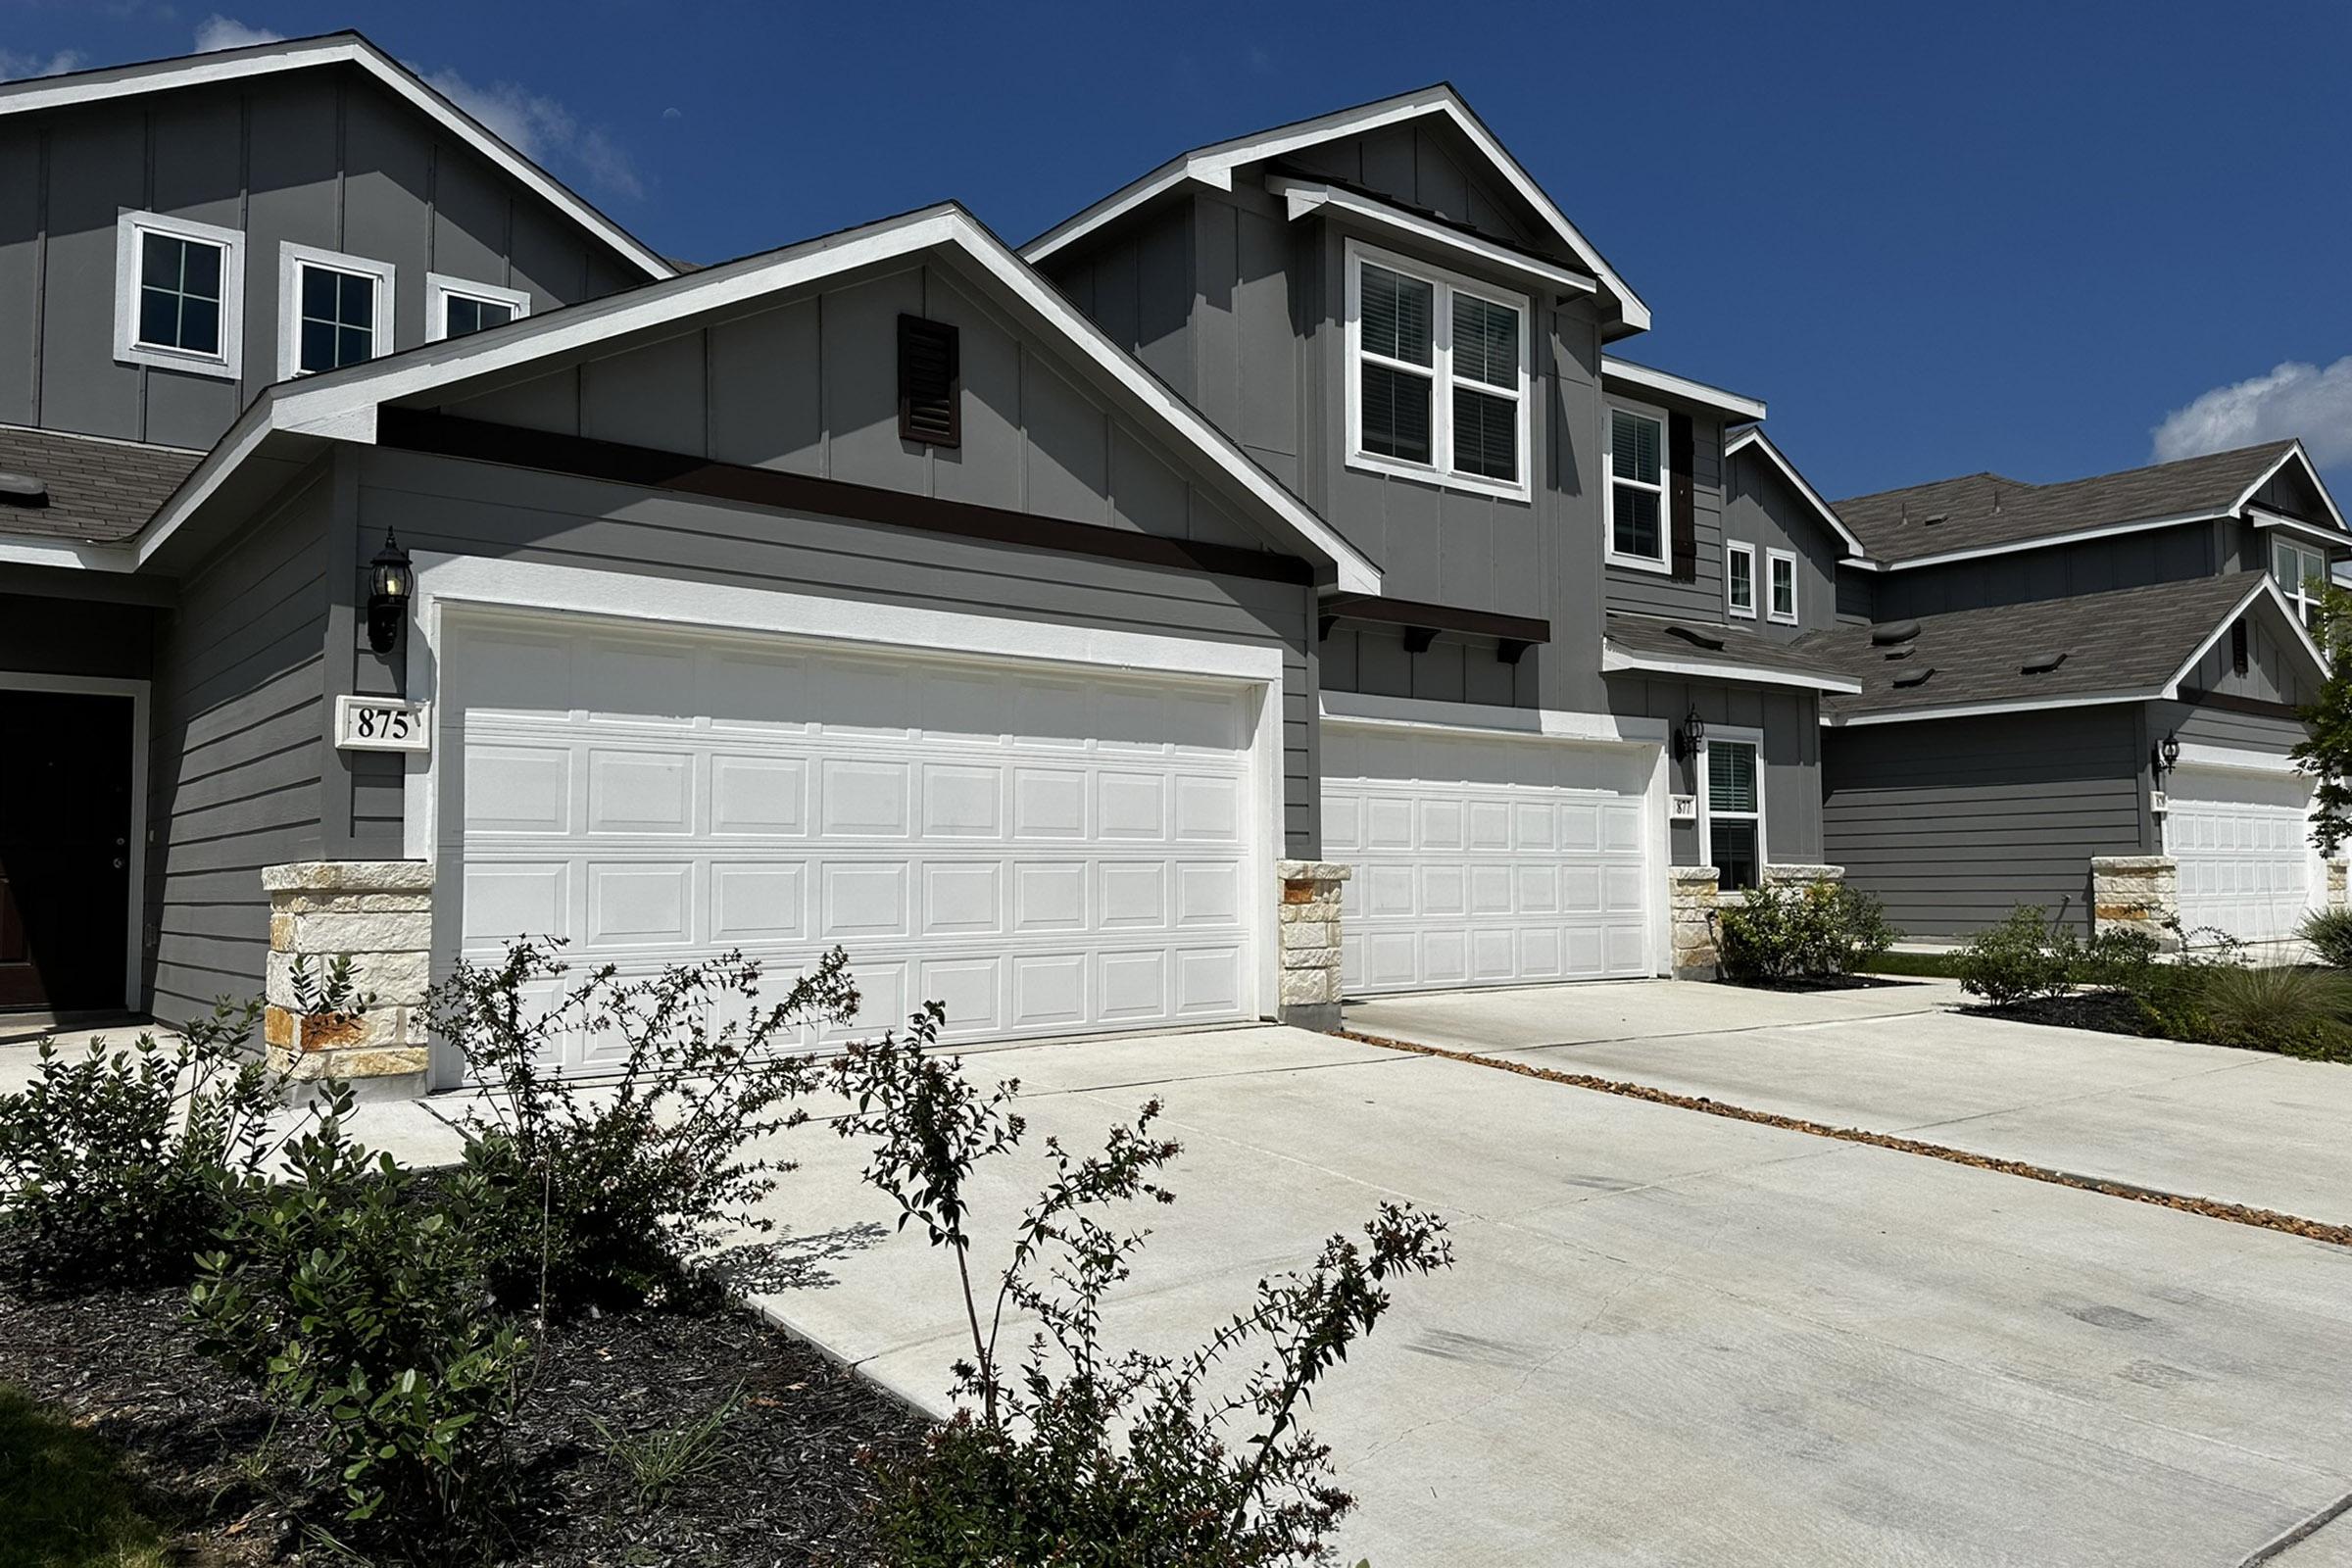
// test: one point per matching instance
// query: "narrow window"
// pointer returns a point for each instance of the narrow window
(2300, 569)
(930, 382)
(178, 288)
(1740, 578)
(337, 309)
(1399, 364)
(454, 306)
(1637, 487)
(1734, 814)
(1783, 587)
(1438, 376)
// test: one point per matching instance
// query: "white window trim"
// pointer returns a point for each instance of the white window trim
(228, 363)
(1733, 606)
(1773, 559)
(1663, 562)
(1706, 811)
(291, 260)
(442, 287)
(2297, 594)
(1445, 285)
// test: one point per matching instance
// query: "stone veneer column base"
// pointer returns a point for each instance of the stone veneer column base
(2135, 891)
(1691, 899)
(1780, 875)
(2338, 898)
(1308, 931)
(379, 915)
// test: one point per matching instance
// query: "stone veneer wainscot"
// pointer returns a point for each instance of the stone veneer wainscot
(379, 915)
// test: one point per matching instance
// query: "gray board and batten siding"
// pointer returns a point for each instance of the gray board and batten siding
(1761, 508)
(325, 157)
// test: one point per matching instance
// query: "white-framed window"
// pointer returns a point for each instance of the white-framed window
(456, 306)
(1730, 805)
(2299, 568)
(179, 291)
(1780, 585)
(1740, 578)
(333, 309)
(1637, 528)
(1437, 376)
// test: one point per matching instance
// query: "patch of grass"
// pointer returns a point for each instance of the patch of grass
(1932, 965)
(657, 1462)
(65, 1498)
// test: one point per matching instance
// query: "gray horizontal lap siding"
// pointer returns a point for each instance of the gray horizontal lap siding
(1954, 822)
(237, 751)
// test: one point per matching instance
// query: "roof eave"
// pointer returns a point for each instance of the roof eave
(1615, 658)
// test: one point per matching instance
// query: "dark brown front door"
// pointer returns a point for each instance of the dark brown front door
(64, 849)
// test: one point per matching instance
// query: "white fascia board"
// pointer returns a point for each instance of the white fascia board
(1728, 404)
(342, 404)
(1532, 723)
(296, 54)
(252, 428)
(2281, 522)
(1614, 658)
(1305, 196)
(2296, 455)
(1215, 166)
(2105, 530)
(1754, 437)
(1984, 709)
(2237, 759)
(66, 554)
(2267, 589)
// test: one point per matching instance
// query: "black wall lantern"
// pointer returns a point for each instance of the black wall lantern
(390, 582)
(2166, 757)
(1692, 735)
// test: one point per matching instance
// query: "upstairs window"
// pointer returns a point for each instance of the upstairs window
(2300, 569)
(1733, 796)
(1636, 491)
(338, 309)
(1740, 579)
(1438, 376)
(1782, 587)
(454, 306)
(177, 287)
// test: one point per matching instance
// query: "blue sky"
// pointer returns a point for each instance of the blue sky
(2015, 237)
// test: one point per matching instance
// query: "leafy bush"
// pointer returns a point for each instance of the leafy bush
(2023, 957)
(2329, 932)
(1780, 932)
(1083, 1456)
(603, 1194)
(356, 1296)
(113, 1163)
(2294, 1011)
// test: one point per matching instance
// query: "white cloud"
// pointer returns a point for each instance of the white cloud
(14, 65)
(218, 31)
(543, 130)
(2293, 400)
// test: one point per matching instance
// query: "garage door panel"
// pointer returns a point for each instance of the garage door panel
(759, 902)
(761, 797)
(640, 792)
(962, 801)
(963, 898)
(2240, 839)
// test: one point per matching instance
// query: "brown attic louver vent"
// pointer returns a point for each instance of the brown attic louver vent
(930, 383)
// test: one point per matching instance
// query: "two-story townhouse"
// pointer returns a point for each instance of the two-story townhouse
(2081, 696)
(1557, 695)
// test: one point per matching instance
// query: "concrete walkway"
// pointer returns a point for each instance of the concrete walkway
(2235, 1125)
(1672, 1339)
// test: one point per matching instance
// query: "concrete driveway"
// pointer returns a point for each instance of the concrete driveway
(1670, 1337)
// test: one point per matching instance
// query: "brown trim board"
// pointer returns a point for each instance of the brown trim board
(649, 469)
(1386, 611)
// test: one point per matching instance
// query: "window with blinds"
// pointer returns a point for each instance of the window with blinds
(1735, 813)
(1439, 376)
(1637, 487)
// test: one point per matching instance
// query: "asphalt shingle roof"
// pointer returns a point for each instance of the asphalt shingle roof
(1700, 642)
(1985, 509)
(100, 491)
(2125, 641)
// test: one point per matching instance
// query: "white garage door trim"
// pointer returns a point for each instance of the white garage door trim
(2199, 795)
(482, 588)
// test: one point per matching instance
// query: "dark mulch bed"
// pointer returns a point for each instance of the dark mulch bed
(1807, 983)
(788, 1491)
(2113, 1013)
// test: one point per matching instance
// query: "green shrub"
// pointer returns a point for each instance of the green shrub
(114, 1163)
(603, 1194)
(2294, 1011)
(354, 1294)
(2329, 932)
(1081, 1455)
(1822, 929)
(2023, 957)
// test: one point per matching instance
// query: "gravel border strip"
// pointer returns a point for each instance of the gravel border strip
(2268, 1219)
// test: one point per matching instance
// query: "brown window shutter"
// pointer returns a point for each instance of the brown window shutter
(2237, 649)
(930, 383)
(1680, 502)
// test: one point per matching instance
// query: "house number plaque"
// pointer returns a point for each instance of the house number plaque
(381, 724)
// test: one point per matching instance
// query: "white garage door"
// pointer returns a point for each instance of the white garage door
(1044, 853)
(2242, 841)
(1484, 862)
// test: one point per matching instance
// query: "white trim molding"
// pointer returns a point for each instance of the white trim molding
(2294, 454)
(129, 228)
(1609, 552)
(1614, 657)
(2237, 759)
(442, 287)
(1302, 198)
(1444, 285)
(1738, 735)
(1547, 723)
(1664, 383)
(1753, 436)
(1741, 550)
(1776, 558)
(292, 261)
(1981, 710)
(134, 960)
(2105, 530)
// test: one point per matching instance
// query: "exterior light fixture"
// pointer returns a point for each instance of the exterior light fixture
(1693, 733)
(2167, 754)
(390, 582)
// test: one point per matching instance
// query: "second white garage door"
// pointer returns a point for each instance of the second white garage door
(1486, 861)
(2242, 841)
(1044, 853)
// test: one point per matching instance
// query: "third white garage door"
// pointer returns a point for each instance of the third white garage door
(2242, 840)
(1045, 851)
(1486, 861)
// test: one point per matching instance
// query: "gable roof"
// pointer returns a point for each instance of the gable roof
(2126, 645)
(327, 49)
(343, 404)
(1620, 374)
(1985, 514)
(99, 490)
(1753, 439)
(1215, 165)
